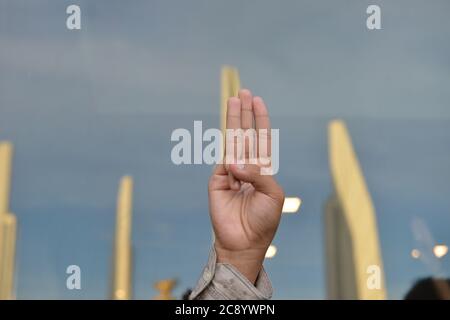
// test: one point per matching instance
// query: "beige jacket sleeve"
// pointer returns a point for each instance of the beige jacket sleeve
(221, 281)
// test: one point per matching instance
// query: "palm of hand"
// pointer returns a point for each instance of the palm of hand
(243, 218)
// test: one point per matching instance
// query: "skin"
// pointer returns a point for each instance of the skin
(245, 206)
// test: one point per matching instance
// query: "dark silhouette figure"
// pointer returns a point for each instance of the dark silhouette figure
(186, 294)
(430, 289)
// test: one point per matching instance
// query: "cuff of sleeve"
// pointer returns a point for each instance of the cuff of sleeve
(222, 281)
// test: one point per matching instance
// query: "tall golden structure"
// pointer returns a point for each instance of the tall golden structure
(122, 287)
(352, 244)
(8, 225)
(230, 85)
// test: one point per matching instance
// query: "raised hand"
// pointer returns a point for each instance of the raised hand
(245, 206)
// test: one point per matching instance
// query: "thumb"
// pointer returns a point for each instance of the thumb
(251, 173)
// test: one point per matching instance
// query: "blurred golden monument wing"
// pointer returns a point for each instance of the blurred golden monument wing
(352, 245)
(122, 287)
(8, 225)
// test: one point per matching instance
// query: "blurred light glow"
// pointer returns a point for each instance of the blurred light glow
(271, 251)
(291, 204)
(415, 253)
(120, 294)
(440, 250)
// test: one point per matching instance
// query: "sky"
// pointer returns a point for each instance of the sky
(85, 107)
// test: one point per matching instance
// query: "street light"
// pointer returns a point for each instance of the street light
(440, 250)
(271, 251)
(415, 253)
(291, 204)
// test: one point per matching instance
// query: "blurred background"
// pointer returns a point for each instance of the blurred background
(85, 107)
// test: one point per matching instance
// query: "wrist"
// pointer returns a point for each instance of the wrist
(248, 262)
